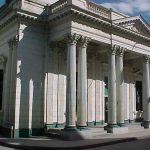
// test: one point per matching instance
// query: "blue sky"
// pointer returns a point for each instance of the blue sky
(130, 7)
(1, 2)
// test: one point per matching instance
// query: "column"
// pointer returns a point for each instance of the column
(146, 92)
(120, 87)
(71, 83)
(82, 83)
(112, 122)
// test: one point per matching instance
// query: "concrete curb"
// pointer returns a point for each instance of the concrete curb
(29, 147)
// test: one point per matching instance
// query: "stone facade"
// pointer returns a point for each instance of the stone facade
(71, 64)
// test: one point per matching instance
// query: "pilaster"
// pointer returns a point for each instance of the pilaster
(13, 116)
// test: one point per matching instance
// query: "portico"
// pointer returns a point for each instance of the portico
(73, 64)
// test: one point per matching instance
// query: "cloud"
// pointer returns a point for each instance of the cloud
(129, 6)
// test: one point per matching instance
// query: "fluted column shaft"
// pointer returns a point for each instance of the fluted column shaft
(112, 87)
(146, 92)
(120, 86)
(71, 83)
(82, 83)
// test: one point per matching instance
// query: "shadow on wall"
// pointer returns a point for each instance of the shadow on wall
(30, 82)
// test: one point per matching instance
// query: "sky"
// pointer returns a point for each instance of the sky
(1, 2)
(129, 7)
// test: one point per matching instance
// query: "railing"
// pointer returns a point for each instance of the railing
(100, 10)
(92, 7)
(57, 6)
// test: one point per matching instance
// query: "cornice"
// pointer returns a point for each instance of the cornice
(23, 15)
(81, 13)
(76, 12)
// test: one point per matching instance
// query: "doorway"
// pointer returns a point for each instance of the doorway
(139, 105)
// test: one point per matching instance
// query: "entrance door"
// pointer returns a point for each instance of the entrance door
(106, 99)
(139, 107)
(139, 95)
(106, 109)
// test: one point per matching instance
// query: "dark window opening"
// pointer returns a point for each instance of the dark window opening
(139, 96)
(106, 86)
(1, 88)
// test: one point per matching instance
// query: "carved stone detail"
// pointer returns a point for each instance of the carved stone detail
(114, 49)
(146, 58)
(72, 38)
(83, 41)
(121, 51)
(13, 42)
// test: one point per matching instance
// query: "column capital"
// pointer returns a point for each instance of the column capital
(72, 38)
(13, 42)
(146, 58)
(114, 49)
(121, 51)
(83, 41)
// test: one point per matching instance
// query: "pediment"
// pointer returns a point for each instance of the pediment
(137, 24)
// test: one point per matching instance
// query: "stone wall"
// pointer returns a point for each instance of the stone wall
(29, 105)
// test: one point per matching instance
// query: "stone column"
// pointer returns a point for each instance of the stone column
(120, 87)
(146, 92)
(112, 120)
(82, 83)
(71, 83)
(112, 101)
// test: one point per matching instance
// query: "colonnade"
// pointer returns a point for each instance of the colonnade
(115, 86)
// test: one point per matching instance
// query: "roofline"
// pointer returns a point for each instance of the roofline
(144, 21)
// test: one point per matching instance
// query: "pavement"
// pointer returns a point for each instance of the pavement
(99, 138)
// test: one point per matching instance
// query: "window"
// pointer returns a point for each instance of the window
(106, 86)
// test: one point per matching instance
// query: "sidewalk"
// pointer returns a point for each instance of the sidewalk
(40, 143)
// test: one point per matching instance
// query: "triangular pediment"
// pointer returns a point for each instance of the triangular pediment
(137, 24)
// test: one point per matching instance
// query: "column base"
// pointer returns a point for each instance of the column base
(131, 121)
(70, 128)
(122, 124)
(60, 125)
(90, 124)
(146, 124)
(115, 129)
(126, 121)
(82, 127)
(101, 122)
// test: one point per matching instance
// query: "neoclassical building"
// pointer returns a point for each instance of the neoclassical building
(71, 64)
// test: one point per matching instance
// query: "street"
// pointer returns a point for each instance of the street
(143, 144)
